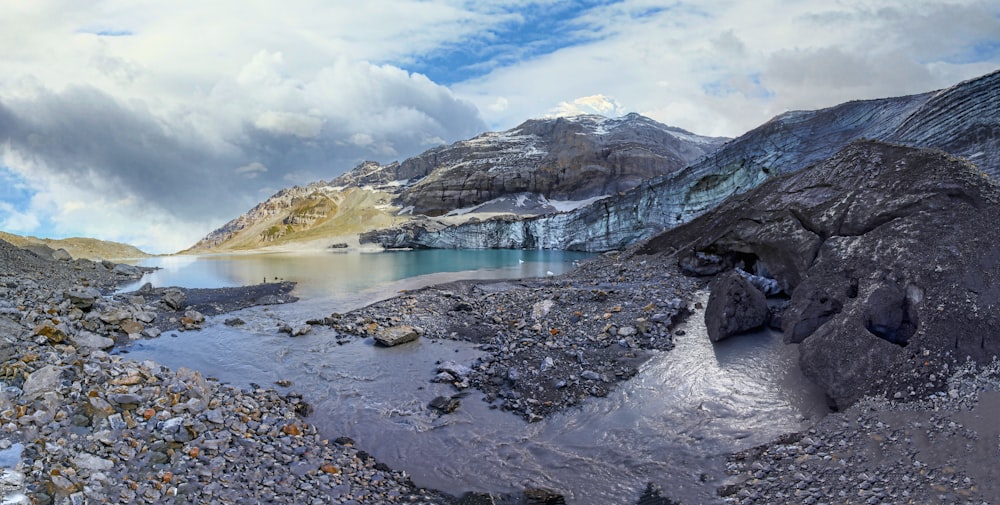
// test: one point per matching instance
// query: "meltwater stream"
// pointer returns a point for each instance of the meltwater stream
(672, 424)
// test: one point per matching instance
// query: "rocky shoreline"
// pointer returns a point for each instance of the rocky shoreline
(938, 448)
(550, 343)
(81, 425)
(931, 438)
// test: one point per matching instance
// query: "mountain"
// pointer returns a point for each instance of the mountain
(77, 247)
(962, 120)
(540, 167)
(317, 212)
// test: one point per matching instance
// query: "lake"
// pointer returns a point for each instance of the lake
(672, 424)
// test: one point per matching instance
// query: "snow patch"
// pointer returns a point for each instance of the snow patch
(571, 205)
(528, 203)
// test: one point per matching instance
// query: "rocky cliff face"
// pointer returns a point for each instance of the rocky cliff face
(961, 120)
(572, 158)
(564, 159)
(276, 205)
(888, 255)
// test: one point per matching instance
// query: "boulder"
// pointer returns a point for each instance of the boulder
(131, 327)
(126, 270)
(10, 328)
(456, 370)
(53, 333)
(115, 315)
(396, 335)
(93, 463)
(90, 340)
(62, 255)
(734, 306)
(444, 404)
(41, 381)
(82, 297)
(174, 298)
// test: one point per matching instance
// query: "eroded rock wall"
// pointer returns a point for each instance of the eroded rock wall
(889, 254)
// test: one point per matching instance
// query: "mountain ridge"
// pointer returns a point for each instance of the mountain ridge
(77, 247)
(534, 168)
(789, 142)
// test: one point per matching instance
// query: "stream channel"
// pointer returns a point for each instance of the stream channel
(672, 424)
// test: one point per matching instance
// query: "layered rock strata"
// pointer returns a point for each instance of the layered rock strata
(886, 251)
(961, 120)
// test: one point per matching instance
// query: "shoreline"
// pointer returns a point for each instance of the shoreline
(88, 423)
(80, 424)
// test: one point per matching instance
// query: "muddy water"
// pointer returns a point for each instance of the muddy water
(671, 424)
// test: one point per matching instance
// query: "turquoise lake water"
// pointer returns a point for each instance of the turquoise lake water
(352, 276)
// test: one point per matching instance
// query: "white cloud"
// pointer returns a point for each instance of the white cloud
(138, 113)
(361, 139)
(289, 123)
(717, 67)
(17, 221)
(100, 208)
(162, 110)
(593, 104)
(498, 105)
(251, 170)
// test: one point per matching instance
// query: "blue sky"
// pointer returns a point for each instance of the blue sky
(14, 189)
(155, 123)
(533, 30)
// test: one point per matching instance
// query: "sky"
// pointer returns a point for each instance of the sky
(155, 122)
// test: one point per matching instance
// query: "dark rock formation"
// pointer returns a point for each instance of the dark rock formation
(734, 306)
(889, 254)
(961, 120)
(572, 158)
(445, 404)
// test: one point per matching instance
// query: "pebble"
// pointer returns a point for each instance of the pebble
(80, 425)
(912, 459)
(550, 342)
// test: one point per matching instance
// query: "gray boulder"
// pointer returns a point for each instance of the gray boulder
(734, 306)
(41, 381)
(82, 297)
(396, 335)
(62, 255)
(174, 298)
(126, 270)
(90, 340)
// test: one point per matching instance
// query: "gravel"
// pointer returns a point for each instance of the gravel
(940, 448)
(550, 343)
(79, 424)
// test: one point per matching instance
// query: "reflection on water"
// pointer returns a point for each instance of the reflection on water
(332, 274)
(671, 424)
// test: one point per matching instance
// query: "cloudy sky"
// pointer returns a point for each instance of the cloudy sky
(154, 122)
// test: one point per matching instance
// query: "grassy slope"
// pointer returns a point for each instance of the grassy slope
(79, 247)
(345, 213)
